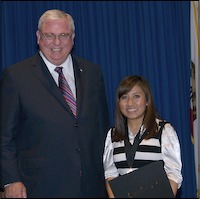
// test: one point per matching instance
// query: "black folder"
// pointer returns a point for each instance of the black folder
(149, 181)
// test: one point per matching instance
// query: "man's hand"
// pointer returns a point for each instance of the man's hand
(15, 190)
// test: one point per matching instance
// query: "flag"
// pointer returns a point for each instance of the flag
(195, 86)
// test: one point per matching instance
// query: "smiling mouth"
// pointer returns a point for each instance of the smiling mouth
(56, 49)
(131, 109)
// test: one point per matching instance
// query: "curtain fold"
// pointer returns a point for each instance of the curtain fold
(148, 38)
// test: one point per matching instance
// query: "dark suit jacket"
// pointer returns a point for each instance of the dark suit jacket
(43, 145)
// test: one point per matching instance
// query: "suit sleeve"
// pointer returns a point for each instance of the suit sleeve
(9, 129)
(104, 108)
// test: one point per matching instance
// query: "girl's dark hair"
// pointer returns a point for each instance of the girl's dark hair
(151, 114)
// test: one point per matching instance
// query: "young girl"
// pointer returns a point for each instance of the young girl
(136, 119)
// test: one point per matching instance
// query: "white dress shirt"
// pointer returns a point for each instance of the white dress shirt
(68, 71)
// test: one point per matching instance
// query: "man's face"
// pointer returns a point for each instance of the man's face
(56, 40)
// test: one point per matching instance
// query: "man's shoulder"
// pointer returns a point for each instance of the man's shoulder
(24, 62)
(29, 59)
(83, 61)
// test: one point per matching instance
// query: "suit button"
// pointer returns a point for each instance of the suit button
(78, 150)
(76, 125)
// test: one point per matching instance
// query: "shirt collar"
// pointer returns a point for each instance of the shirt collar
(66, 64)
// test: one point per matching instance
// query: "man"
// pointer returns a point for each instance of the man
(48, 149)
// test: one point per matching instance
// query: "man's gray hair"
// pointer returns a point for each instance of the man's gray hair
(55, 14)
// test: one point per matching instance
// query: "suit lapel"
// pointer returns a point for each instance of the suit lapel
(78, 72)
(41, 71)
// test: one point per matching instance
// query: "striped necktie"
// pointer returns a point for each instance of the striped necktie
(66, 91)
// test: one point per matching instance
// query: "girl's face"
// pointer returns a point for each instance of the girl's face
(133, 104)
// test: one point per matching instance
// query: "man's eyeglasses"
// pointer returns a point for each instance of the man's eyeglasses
(51, 36)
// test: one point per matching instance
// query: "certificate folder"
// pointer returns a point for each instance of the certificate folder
(149, 181)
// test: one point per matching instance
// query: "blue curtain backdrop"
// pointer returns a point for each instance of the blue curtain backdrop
(148, 38)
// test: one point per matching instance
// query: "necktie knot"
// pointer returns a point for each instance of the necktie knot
(59, 69)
